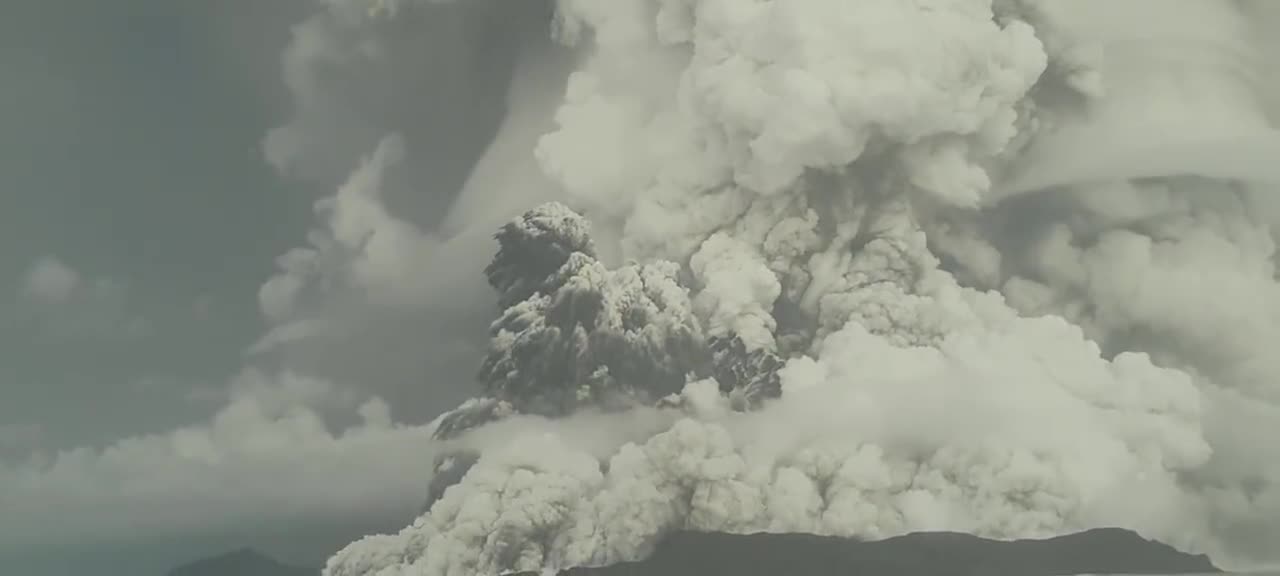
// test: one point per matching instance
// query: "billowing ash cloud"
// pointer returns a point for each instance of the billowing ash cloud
(838, 309)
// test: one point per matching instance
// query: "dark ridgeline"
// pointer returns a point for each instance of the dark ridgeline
(1102, 551)
(243, 562)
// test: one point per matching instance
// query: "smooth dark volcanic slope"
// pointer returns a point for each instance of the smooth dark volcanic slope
(243, 562)
(1102, 551)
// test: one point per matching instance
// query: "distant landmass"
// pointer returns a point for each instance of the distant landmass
(1101, 551)
(243, 562)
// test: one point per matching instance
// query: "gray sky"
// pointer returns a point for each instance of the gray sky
(130, 179)
(140, 217)
(128, 156)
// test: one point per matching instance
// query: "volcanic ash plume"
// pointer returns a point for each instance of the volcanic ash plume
(829, 324)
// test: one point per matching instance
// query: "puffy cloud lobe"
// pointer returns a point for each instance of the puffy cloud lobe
(50, 280)
(533, 247)
(812, 84)
(754, 94)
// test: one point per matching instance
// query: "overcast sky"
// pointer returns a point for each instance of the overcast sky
(157, 158)
(130, 182)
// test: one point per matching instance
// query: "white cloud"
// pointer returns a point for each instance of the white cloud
(68, 305)
(267, 458)
(50, 281)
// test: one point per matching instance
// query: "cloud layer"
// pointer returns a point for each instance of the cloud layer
(267, 458)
